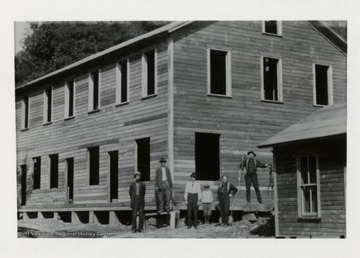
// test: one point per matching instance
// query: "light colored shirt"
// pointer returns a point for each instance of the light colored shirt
(164, 178)
(207, 196)
(193, 188)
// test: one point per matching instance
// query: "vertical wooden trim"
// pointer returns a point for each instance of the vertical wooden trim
(262, 76)
(90, 92)
(228, 74)
(155, 71)
(66, 181)
(143, 75)
(299, 193)
(74, 97)
(99, 89)
(276, 204)
(45, 105)
(128, 79)
(279, 28)
(280, 81)
(318, 185)
(208, 71)
(171, 106)
(330, 86)
(67, 99)
(314, 84)
(118, 82)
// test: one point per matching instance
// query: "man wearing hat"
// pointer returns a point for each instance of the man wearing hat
(192, 198)
(206, 200)
(249, 166)
(137, 202)
(225, 191)
(163, 186)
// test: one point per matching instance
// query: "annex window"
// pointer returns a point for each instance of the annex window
(122, 82)
(272, 27)
(54, 170)
(149, 73)
(323, 85)
(94, 91)
(219, 72)
(272, 79)
(36, 173)
(143, 158)
(48, 96)
(207, 156)
(69, 98)
(308, 186)
(25, 113)
(94, 165)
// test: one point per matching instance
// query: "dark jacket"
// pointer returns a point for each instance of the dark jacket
(158, 177)
(132, 193)
(231, 189)
(258, 164)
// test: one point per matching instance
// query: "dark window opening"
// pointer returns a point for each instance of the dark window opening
(95, 90)
(26, 112)
(37, 172)
(70, 89)
(114, 174)
(321, 76)
(271, 27)
(150, 68)
(54, 170)
(207, 156)
(23, 169)
(270, 78)
(70, 179)
(218, 72)
(94, 165)
(124, 80)
(48, 93)
(143, 158)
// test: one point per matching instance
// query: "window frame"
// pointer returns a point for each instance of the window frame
(67, 98)
(144, 73)
(46, 119)
(228, 81)
(279, 79)
(279, 29)
(329, 86)
(91, 91)
(119, 85)
(301, 213)
(25, 112)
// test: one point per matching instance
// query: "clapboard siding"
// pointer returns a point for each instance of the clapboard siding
(332, 161)
(112, 128)
(243, 120)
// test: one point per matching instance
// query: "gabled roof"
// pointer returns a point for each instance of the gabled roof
(328, 121)
(165, 30)
(168, 28)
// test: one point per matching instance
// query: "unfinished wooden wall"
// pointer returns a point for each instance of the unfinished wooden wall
(112, 128)
(243, 120)
(332, 163)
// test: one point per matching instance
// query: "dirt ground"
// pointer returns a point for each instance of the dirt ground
(53, 228)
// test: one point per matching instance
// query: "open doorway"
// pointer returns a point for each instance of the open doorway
(114, 175)
(23, 184)
(70, 179)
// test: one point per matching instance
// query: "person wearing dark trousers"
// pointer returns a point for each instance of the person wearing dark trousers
(137, 202)
(163, 186)
(192, 197)
(225, 191)
(249, 166)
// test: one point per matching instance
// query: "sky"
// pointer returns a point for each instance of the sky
(21, 30)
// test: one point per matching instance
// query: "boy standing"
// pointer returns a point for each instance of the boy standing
(206, 200)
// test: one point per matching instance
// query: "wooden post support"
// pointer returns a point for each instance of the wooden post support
(113, 220)
(74, 218)
(92, 217)
(40, 215)
(25, 216)
(174, 218)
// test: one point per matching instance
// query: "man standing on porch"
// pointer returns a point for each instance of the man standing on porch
(163, 186)
(137, 193)
(249, 166)
(192, 197)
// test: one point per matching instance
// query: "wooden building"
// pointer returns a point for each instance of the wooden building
(310, 161)
(201, 94)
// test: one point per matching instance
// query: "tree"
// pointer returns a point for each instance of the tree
(53, 45)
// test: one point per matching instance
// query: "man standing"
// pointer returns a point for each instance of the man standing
(225, 191)
(163, 186)
(249, 166)
(137, 193)
(192, 197)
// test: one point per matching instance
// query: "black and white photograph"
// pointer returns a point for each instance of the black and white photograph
(178, 128)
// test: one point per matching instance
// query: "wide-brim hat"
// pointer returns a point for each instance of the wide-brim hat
(206, 186)
(193, 175)
(137, 173)
(162, 160)
(251, 152)
(223, 176)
